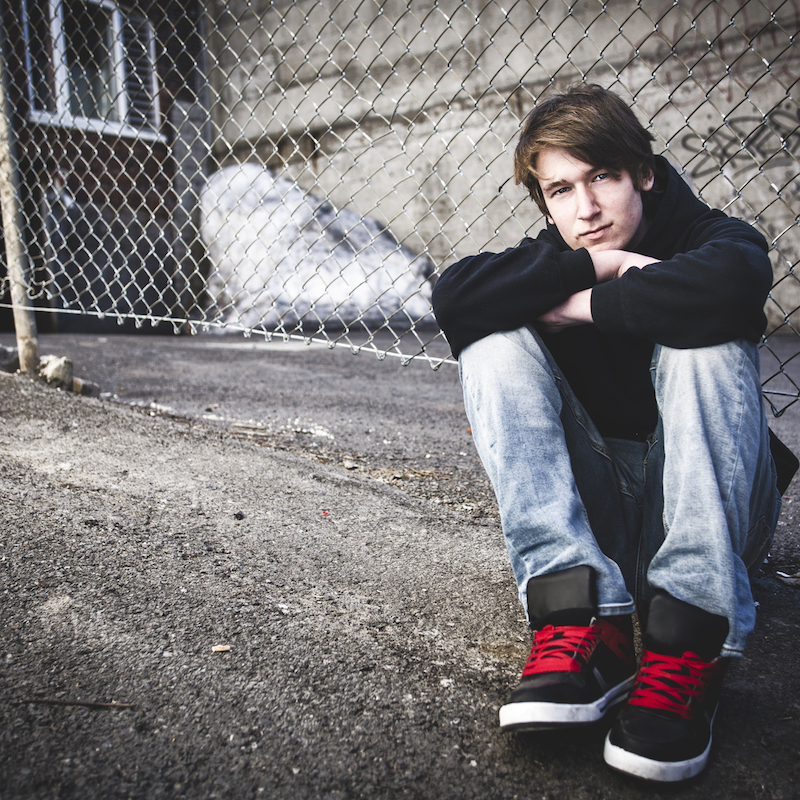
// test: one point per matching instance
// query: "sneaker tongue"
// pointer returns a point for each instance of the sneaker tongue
(567, 597)
(675, 627)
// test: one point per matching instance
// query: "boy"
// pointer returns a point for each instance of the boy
(611, 378)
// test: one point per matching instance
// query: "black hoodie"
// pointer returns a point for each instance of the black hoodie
(708, 288)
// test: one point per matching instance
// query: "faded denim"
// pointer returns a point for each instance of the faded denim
(690, 511)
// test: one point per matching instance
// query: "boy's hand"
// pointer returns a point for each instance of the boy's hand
(611, 264)
(577, 310)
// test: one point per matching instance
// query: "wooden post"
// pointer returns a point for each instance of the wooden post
(16, 258)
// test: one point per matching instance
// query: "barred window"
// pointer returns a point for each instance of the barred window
(91, 65)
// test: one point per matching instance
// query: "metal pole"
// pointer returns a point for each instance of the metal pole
(16, 259)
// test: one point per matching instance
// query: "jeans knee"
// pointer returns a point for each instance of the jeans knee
(505, 352)
(717, 373)
(722, 359)
(508, 368)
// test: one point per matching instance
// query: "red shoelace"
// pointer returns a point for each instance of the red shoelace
(567, 648)
(669, 683)
(561, 649)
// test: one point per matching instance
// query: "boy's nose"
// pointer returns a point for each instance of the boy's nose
(587, 205)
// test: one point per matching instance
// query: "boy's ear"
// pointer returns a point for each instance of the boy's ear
(648, 180)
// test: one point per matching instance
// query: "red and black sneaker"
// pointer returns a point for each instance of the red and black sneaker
(579, 666)
(664, 731)
(574, 675)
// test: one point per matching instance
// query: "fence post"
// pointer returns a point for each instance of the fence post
(16, 259)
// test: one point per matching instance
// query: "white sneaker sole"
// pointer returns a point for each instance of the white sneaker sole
(651, 770)
(541, 716)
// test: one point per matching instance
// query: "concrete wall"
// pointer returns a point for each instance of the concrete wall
(408, 112)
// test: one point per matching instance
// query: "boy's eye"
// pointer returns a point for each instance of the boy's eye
(602, 176)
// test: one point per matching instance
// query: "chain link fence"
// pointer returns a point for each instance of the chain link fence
(307, 169)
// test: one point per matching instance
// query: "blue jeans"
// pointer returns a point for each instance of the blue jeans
(690, 511)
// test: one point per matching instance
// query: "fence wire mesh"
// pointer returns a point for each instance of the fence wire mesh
(308, 167)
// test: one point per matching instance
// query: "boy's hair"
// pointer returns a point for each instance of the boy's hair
(593, 125)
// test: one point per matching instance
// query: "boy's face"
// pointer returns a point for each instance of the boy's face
(591, 206)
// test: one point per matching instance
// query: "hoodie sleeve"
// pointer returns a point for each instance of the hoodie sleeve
(713, 291)
(491, 292)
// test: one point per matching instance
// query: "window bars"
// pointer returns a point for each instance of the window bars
(307, 169)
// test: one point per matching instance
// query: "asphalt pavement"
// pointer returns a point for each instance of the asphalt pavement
(254, 569)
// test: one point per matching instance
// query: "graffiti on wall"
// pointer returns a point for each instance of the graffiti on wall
(747, 143)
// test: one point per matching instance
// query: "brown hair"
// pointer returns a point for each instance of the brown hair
(593, 125)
